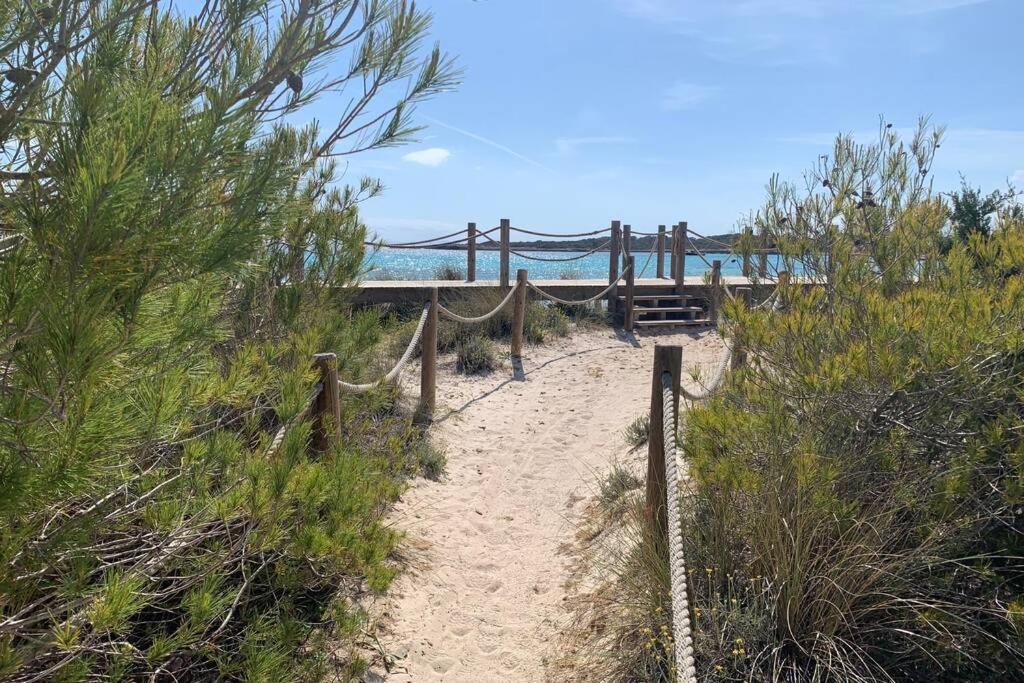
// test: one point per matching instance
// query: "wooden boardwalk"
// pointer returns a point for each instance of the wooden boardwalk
(410, 291)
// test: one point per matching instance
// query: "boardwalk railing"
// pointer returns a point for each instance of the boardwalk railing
(679, 242)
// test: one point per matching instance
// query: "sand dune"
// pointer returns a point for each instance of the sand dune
(484, 599)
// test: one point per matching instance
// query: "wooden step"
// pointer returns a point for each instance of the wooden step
(659, 297)
(670, 323)
(668, 309)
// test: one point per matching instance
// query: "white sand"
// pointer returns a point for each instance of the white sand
(484, 600)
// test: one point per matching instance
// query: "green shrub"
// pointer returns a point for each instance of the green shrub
(857, 489)
(449, 271)
(475, 354)
(148, 528)
(638, 431)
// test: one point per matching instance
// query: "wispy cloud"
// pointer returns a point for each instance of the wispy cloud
(681, 95)
(570, 145)
(785, 32)
(432, 156)
(488, 142)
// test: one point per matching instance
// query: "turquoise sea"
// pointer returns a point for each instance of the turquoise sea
(423, 264)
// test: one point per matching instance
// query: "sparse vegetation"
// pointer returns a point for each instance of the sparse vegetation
(474, 354)
(638, 431)
(449, 271)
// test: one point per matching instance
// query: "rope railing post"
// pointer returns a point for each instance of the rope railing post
(519, 313)
(762, 259)
(627, 322)
(715, 300)
(747, 232)
(667, 359)
(613, 268)
(471, 253)
(428, 363)
(660, 248)
(680, 257)
(673, 253)
(327, 405)
(503, 270)
(627, 247)
(739, 355)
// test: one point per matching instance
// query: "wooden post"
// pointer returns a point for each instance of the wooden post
(627, 322)
(519, 313)
(673, 250)
(739, 355)
(627, 239)
(503, 269)
(762, 262)
(683, 241)
(666, 359)
(428, 364)
(327, 408)
(783, 287)
(660, 248)
(746, 256)
(471, 253)
(613, 268)
(715, 300)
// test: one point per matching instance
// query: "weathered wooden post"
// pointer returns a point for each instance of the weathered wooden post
(660, 248)
(627, 322)
(739, 355)
(503, 268)
(666, 359)
(519, 313)
(762, 263)
(747, 235)
(673, 251)
(613, 267)
(327, 407)
(680, 257)
(471, 253)
(783, 287)
(715, 300)
(428, 364)
(627, 240)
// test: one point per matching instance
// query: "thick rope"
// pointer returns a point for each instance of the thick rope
(565, 234)
(559, 259)
(686, 670)
(711, 386)
(480, 318)
(402, 362)
(579, 302)
(556, 259)
(428, 242)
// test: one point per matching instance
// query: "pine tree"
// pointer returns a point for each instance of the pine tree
(172, 251)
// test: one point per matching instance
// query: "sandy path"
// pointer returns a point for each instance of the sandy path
(484, 599)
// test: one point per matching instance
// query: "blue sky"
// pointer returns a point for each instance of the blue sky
(575, 112)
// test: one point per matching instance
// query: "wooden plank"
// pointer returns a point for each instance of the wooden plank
(671, 323)
(640, 310)
(471, 253)
(667, 359)
(327, 407)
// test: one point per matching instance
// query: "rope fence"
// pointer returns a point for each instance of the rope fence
(664, 476)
